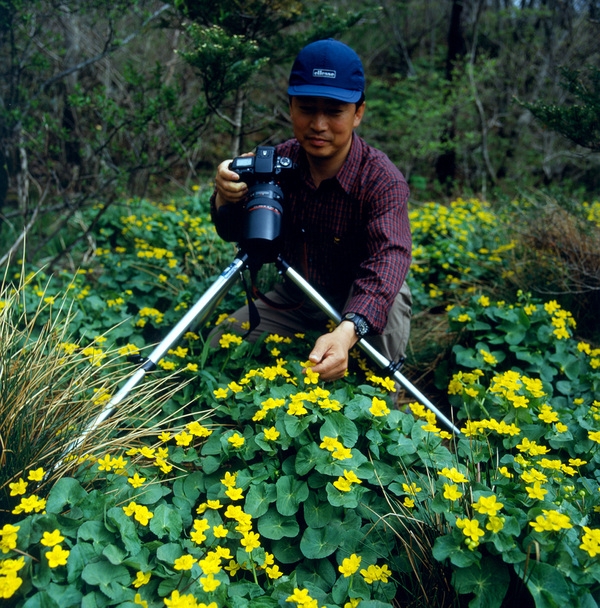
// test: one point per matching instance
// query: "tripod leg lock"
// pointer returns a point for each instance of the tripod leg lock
(395, 366)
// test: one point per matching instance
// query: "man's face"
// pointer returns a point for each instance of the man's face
(324, 126)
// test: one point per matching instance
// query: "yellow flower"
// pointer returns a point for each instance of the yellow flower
(236, 440)
(209, 583)
(18, 487)
(9, 585)
(488, 357)
(300, 596)
(250, 541)
(330, 443)
(590, 542)
(234, 493)
(378, 407)
(220, 531)
(180, 601)
(221, 393)
(139, 601)
(30, 504)
(143, 515)
(211, 564)
(310, 377)
(196, 429)
(453, 475)
(36, 474)
(271, 434)
(487, 505)
(228, 479)
(451, 492)
(411, 489)
(233, 567)
(57, 556)
(536, 491)
(495, 524)
(49, 539)
(141, 578)
(342, 484)
(470, 528)
(185, 562)
(350, 565)
(296, 408)
(136, 481)
(273, 572)
(342, 453)
(594, 436)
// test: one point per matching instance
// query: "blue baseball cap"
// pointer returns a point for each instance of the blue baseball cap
(327, 68)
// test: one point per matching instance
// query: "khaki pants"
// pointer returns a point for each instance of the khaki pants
(304, 315)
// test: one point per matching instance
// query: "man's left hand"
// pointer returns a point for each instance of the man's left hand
(330, 353)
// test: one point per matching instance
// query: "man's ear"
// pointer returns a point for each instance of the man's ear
(358, 115)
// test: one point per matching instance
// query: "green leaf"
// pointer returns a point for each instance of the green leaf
(169, 553)
(110, 578)
(66, 491)
(259, 497)
(291, 493)
(286, 551)
(166, 521)
(465, 357)
(126, 528)
(546, 584)
(338, 426)
(487, 580)
(115, 555)
(316, 573)
(95, 531)
(44, 599)
(308, 457)
(317, 513)
(447, 547)
(317, 543)
(275, 526)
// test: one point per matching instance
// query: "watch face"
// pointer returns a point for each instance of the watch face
(361, 327)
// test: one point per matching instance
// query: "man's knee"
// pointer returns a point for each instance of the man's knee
(393, 341)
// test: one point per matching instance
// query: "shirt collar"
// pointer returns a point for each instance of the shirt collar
(347, 174)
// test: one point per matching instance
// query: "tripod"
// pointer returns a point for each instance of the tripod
(206, 304)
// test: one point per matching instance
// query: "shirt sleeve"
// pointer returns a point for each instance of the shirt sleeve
(388, 245)
(228, 219)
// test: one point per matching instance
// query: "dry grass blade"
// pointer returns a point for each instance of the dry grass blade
(50, 390)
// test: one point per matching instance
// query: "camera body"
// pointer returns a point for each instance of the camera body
(263, 173)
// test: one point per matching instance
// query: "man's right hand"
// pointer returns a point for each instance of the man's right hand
(228, 185)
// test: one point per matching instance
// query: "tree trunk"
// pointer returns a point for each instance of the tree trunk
(445, 166)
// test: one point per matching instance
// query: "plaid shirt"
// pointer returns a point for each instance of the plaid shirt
(349, 236)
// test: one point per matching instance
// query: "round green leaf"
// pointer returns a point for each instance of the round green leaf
(317, 543)
(275, 526)
(337, 425)
(290, 494)
(317, 513)
(259, 497)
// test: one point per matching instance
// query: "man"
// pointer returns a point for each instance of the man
(345, 217)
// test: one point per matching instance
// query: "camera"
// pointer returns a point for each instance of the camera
(263, 173)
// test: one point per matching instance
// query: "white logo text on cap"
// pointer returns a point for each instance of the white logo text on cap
(322, 73)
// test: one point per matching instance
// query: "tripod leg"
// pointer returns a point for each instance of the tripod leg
(372, 352)
(201, 309)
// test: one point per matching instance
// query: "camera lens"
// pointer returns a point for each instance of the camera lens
(263, 218)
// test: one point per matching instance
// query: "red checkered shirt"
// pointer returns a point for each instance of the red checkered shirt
(351, 235)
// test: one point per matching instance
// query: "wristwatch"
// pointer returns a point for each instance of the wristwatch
(361, 325)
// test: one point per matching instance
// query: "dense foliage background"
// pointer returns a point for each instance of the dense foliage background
(101, 100)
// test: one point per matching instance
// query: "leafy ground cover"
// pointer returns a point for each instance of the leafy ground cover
(256, 484)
